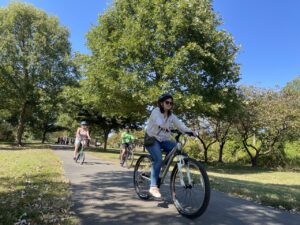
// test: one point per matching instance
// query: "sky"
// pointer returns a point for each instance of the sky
(268, 32)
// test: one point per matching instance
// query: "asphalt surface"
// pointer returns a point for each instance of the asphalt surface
(103, 194)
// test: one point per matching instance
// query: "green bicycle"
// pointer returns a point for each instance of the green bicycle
(81, 155)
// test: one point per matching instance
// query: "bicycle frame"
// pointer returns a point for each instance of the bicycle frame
(177, 151)
(130, 148)
(82, 146)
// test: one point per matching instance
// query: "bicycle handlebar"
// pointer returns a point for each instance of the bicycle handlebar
(179, 133)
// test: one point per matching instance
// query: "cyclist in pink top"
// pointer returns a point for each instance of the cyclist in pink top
(82, 134)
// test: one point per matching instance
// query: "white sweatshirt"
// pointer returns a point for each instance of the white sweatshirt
(157, 120)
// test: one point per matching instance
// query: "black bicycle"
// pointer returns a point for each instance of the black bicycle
(129, 156)
(189, 184)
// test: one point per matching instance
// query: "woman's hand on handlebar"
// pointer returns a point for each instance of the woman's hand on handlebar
(192, 133)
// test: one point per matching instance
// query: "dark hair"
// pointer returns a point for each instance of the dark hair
(160, 105)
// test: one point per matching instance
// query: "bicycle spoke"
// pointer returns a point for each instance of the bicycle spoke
(142, 172)
(188, 185)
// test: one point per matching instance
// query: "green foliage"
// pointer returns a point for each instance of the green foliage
(35, 59)
(143, 48)
(193, 148)
(292, 150)
(293, 87)
(275, 160)
(6, 132)
(267, 122)
(114, 140)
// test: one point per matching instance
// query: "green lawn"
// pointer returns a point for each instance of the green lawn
(32, 187)
(111, 156)
(279, 189)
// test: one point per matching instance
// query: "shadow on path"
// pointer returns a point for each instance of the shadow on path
(103, 194)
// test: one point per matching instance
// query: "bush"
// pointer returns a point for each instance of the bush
(193, 148)
(6, 132)
(275, 159)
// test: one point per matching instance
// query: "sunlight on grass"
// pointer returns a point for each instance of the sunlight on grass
(277, 189)
(271, 177)
(33, 188)
(107, 156)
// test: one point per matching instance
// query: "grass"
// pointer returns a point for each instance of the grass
(33, 188)
(111, 155)
(280, 189)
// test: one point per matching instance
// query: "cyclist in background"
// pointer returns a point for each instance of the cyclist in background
(82, 133)
(127, 139)
(159, 126)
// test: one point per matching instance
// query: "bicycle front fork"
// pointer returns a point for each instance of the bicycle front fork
(183, 162)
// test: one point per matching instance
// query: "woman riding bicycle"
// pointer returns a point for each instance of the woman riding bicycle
(82, 134)
(159, 126)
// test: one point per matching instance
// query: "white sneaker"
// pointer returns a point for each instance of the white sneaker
(154, 191)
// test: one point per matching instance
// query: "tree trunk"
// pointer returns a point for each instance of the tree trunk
(106, 133)
(221, 152)
(21, 125)
(254, 160)
(44, 136)
(205, 155)
(206, 147)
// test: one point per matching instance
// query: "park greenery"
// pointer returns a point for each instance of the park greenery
(33, 187)
(139, 49)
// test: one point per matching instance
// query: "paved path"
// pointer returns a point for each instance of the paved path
(103, 194)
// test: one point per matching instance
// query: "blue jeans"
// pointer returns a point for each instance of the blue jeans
(155, 151)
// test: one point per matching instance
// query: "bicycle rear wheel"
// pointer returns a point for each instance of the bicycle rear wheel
(129, 159)
(190, 188)
(141, 176)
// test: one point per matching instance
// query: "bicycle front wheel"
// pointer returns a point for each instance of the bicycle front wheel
(82, 158)
(190, 188)
(141, 176)
(129, 159)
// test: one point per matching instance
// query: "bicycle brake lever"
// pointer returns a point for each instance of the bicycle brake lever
(190, 134)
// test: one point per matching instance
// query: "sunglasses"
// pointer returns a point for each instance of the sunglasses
(169, 103)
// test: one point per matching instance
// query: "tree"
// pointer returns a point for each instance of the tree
(292, 92)
(35, 56)
(293, 87)
(44, 116)
(213, 130)
(142, 48)
(215, 124)
(80, 108)
(265, 123)
(206, 136)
